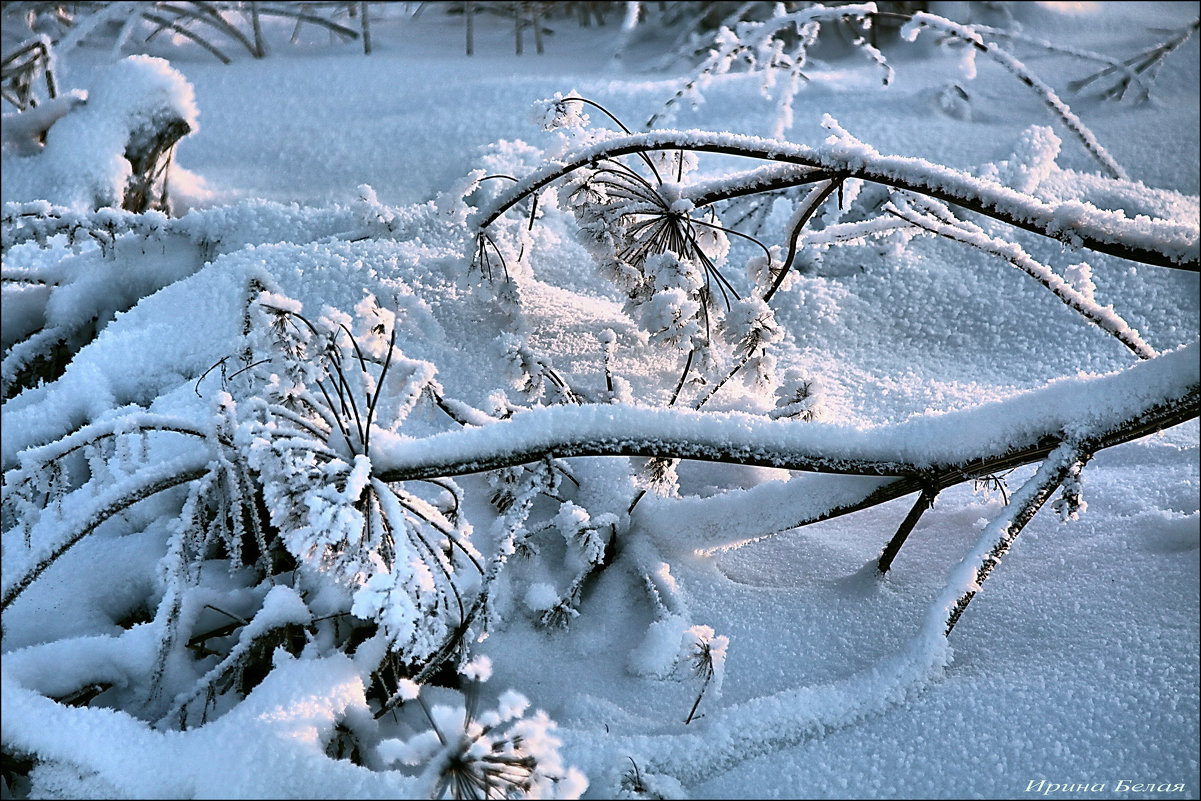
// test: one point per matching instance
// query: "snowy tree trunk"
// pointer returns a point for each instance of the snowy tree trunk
(469, 14)
(366, 26)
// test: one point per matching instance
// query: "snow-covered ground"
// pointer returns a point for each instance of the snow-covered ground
(1075, 671)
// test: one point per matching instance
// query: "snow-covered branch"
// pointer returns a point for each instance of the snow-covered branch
(1089, 406)
(1160, 242)
(969, 35)
(80, 520)
(1103, 317)
(999, 536)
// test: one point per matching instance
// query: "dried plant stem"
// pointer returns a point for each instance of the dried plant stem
(366, 28)
(1133, 68)
(924, 501)
(697, 702)
(800, 219)
(175, 27)
(1046, 93)
(104, 507)
(966, 233)
(1065, 459)
(469, 15)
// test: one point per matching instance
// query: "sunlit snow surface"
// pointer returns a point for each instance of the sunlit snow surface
(1076, 665)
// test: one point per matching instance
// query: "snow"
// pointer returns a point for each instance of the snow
(326, 199)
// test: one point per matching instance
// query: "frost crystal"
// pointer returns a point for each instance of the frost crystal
(468, 757)
(560, 111)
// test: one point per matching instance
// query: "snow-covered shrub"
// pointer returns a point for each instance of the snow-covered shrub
(273, 526)
(772, 40)
(68, 273)
(109, 148)
(401, 557)
(283, 535)
(23, 66)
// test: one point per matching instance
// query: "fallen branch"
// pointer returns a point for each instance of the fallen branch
(968, 234)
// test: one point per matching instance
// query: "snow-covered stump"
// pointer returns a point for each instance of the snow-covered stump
(149, 154)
